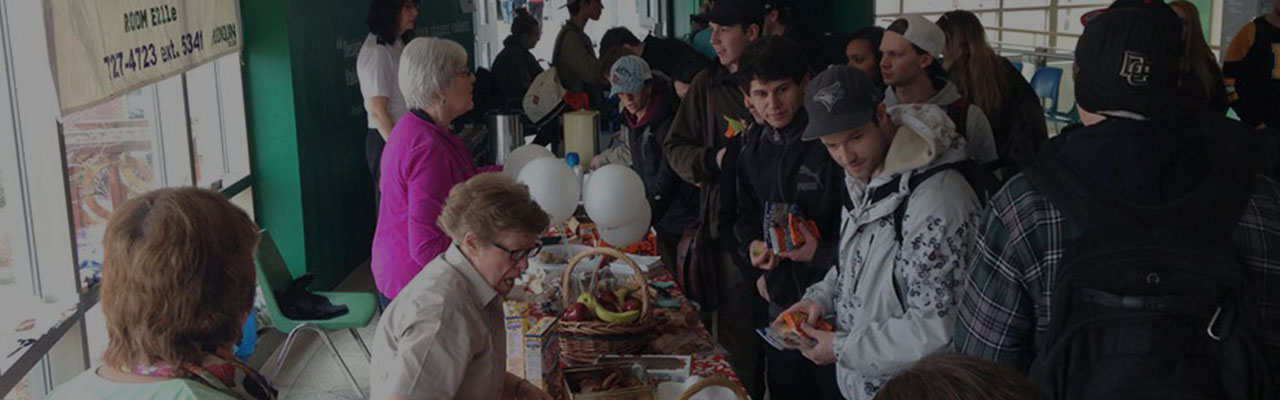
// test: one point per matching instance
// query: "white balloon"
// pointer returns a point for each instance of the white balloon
(630, 232)
(521, 157)
(553, 186)
(613, 196)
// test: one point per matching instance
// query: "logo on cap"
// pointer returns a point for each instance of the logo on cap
(830, 95)
(1135, 69)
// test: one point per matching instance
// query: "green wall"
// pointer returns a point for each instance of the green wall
(269, 108)
(1206, 9)
(680, 11)
(312, 188)
(443, 18)
(848, 16)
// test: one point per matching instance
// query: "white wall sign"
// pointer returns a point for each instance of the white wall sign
(103, 48)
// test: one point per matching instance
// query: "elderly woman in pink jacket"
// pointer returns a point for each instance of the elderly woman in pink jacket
(422, 161)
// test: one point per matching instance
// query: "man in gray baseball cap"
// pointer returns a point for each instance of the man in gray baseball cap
(901, 243)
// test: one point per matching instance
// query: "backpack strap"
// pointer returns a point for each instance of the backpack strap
(958, 111)
(1068, 192)
(900, 212)
(888, 189)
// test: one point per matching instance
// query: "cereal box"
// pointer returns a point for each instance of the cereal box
(515, 323)
(540, 352)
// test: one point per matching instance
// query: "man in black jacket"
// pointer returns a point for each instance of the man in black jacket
(700, 148)
(777, 168)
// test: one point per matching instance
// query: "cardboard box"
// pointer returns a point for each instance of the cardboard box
(665, 368)
(583, 383)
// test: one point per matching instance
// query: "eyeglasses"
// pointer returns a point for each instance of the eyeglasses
(465, 72)
(517, 255)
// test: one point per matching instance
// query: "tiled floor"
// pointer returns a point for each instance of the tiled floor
(311, 372)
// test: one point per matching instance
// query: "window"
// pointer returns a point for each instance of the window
(206, 124)
(111, 158)
(17, 286)
(218, 131)
(1047, 27)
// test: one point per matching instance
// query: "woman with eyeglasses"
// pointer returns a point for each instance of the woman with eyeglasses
(422, 161)
(443, 336)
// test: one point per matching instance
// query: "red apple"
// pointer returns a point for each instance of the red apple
(631, 304)
(607, 300)
(576, 312)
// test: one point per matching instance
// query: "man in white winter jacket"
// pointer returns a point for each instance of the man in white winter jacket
(907, 228)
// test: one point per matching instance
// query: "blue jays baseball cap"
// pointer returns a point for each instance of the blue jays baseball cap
(838, 100)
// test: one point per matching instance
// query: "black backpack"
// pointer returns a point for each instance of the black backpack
(1151, 302)
(958, 111)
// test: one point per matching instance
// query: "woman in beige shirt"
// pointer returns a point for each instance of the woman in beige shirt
(442, 337)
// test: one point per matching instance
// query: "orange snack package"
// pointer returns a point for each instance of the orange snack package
(792, 322)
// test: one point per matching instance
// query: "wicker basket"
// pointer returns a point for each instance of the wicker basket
(584, 341)
(718, 380)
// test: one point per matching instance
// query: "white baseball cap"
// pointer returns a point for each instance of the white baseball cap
(925, 34)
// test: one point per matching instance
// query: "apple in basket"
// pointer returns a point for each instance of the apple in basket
(631, 304)
(607, 299)
(576, 312)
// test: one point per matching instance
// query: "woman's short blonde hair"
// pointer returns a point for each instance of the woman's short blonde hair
(427, 67)
(489, 204)
(177, 278)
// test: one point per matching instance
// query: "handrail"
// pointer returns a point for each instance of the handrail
(1034, 51)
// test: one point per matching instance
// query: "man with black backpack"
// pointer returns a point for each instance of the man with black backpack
(908, 222)
(1140, 256)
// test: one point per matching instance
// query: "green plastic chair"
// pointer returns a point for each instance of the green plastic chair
(274, 277)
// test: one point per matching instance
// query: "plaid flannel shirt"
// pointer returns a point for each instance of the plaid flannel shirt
(1004, 302)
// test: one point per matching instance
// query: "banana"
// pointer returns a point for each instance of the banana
(605, 315)
(617, 318)
(622, 294)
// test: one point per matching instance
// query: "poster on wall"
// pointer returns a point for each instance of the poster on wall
(105, 48)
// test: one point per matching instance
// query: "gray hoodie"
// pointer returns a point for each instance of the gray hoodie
(982, 142)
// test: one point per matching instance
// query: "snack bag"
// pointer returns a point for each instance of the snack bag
(782, 227)
(786, 334)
